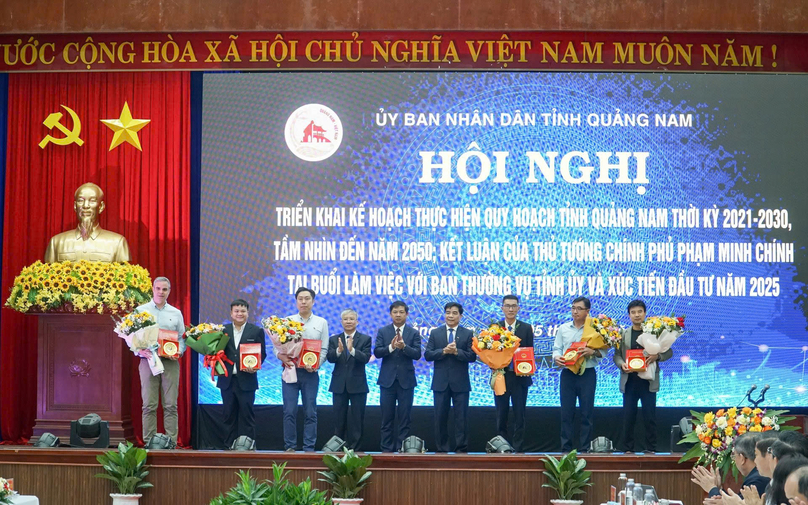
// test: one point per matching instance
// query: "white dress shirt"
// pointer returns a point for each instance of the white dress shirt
(237, 332)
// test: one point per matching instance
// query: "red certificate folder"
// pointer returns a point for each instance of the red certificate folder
(571, 355)
(169, 344)
(310, 355)
(635, 359)
(249, 356)
(523, 361)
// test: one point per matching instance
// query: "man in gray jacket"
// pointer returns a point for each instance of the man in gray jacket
(634, 387)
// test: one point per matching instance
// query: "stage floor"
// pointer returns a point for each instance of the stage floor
(65, 476)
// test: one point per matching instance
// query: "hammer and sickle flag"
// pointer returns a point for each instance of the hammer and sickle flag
(71, 136)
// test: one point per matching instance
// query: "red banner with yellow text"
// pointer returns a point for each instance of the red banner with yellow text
(411, 50)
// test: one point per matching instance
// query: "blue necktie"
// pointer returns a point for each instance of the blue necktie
(451, 335)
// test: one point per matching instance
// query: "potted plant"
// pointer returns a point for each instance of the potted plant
(346, 475)
(279, 490)
(127, 468)
(567, 477)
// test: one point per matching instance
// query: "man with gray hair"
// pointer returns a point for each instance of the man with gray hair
(350, 351)
(168, 318)
(743, 455)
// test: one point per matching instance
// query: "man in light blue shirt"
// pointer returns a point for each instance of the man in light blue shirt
(574, 386)
(168, 318)
(308, 379)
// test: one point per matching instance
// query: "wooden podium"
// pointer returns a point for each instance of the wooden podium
(84, 367)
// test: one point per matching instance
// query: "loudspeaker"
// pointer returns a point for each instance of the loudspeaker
(676, 436)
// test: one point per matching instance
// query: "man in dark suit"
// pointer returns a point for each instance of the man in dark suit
(743, 456)
(449, 346)
(398, 345)
(516, 386)
(350, 352)
(238, 388)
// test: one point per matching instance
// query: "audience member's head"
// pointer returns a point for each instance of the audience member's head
(785, 467)
(763, 458)
(780, 450)
(797, 484)
(743, 452)
(796, 440)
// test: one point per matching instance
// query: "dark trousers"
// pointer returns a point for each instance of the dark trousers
(306, 386)
(516, 393)
(460, 401)
(239, 416)
(582, 388)
(387, 400)
(638, 389)
(350, 421)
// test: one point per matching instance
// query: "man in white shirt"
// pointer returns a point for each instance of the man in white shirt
(308, 379)
(573, 386)
(169, 318)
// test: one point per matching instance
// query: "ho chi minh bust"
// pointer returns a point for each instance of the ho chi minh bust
(88, 241)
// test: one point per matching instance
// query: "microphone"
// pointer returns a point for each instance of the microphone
(761, 398)
(746, 396)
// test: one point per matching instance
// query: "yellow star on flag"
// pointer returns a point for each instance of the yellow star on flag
(125, 128)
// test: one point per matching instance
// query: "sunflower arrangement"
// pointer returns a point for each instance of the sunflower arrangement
(495, 347)
(714, 432)
(285, 329)
(496, 338)
(203, 328)
(80, 287)
(134, 322)
(608, 329)
(657, 325)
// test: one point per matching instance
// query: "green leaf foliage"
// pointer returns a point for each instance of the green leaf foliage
(126, 467)
(567, 475)
(278, 491)
(347, 475)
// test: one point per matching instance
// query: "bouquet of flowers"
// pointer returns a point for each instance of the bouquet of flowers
(287, 338)
(713, 433)
(658, 335)
(6, 493)
(139, 330)
(210, 340)
(608, 329)
(495, 347)
(80, 287)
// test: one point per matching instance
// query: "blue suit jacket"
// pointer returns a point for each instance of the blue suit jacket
(398, 364)
(451, 371)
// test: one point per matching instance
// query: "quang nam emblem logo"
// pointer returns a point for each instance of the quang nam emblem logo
(313, 132)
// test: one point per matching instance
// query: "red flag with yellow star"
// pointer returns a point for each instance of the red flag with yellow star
(129, 133)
